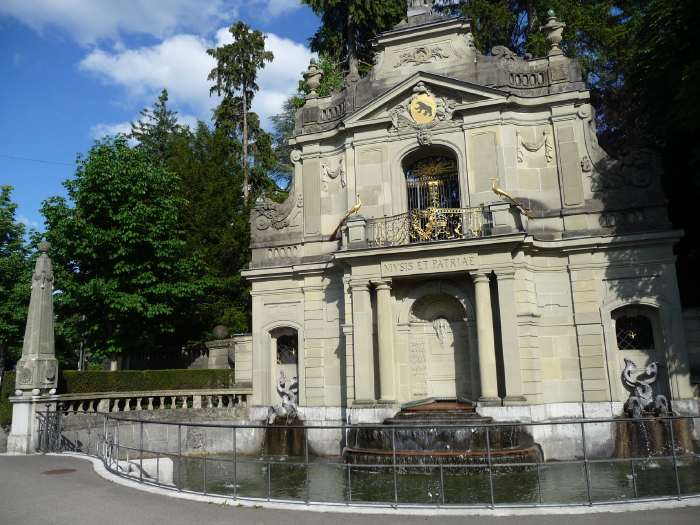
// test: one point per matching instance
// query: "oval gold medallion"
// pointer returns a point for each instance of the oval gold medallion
(423, 108)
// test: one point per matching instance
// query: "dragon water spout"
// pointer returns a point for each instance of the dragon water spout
(642, 396)
(288, 407)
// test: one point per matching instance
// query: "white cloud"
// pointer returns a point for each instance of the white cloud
(100, 130)
(281, 7)
(34, 225)
(89, 21)
(180, 65)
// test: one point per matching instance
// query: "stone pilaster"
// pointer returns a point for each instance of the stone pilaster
(509, 337)
(485, 343)
(385, 340)
(362, 341)
(586, 295)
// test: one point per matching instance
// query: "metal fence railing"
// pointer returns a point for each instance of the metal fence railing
(572, 462)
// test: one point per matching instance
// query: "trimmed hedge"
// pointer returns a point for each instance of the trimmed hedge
(7, 389)
(74, 382)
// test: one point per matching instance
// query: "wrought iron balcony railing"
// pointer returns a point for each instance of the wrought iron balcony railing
(429, 225)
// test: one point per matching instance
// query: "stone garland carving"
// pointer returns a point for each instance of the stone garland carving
(532, 147)
(401, 114)
(421, 55)
(327, 173)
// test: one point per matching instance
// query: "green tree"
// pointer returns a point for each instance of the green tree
(117, 245)
(598, 33)
(235, 76)
(348, 27)
(662, 77)
(215, 221)
(156, 127)
(15, 280)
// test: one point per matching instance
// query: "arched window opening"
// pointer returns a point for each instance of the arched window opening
(287, 349)
(432, 185)
(634, 331)
(433, 182)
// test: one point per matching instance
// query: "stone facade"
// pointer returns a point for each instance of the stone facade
(454, 230)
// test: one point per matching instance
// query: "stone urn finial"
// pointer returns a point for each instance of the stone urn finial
(553, 31)
(220, 332)
(313, 76)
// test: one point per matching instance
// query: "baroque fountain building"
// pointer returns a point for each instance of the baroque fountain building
(454, 230)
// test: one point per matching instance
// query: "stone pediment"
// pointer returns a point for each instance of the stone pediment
(423, 100)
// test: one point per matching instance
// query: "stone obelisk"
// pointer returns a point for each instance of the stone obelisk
(37, 369)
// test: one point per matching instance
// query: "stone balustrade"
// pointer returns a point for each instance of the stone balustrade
(150, 401)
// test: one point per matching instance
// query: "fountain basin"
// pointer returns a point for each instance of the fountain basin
(439, 432)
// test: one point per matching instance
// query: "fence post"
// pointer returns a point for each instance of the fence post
(306, 462)
(235, 466)
(393, 455)
(141, 453)
(585, 465)
(488, 457)
(179, 457)
(675, 462)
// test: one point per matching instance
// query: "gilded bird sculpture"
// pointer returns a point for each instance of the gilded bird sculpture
(352, 211)
(503, 193)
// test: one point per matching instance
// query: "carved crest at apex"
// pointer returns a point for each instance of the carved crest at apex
(421, 111)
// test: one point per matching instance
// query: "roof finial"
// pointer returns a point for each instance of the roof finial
(553, 31)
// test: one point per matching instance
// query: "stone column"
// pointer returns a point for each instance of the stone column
(486, 345)
(362, 341)
(509, 337)
(385, 339)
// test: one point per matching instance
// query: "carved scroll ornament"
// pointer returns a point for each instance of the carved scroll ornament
(268, 213)
(421, 55)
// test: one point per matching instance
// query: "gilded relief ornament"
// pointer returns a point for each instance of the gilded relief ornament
(422, 112)
(423, 108)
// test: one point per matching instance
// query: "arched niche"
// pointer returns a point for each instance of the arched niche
(637, 334)
(286, 354)
(441, 346)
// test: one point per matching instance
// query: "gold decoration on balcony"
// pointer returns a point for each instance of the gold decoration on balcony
(503, 193)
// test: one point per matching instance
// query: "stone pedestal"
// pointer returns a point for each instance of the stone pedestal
(23, 436)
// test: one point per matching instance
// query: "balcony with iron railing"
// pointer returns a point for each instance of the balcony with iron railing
(432, 225)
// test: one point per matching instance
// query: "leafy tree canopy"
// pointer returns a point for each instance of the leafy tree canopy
(348, 26)
(15, 280)
(117, 245)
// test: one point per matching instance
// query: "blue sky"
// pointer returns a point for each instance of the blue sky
(77, 69)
